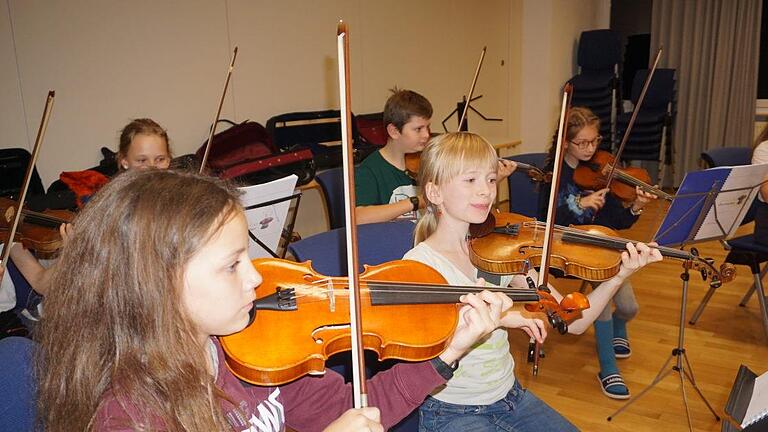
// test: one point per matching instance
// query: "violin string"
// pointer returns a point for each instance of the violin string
(35, 216)
(407, 288)
(615, 242)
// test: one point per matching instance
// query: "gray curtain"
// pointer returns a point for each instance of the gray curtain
(715, 46)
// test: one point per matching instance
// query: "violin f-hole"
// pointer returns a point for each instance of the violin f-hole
(317, 333)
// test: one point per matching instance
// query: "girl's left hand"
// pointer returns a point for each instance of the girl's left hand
(637, 256)
(533, 327)
(505, 169)
(65, 230)
(642, 199)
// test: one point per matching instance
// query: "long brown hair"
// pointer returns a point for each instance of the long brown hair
(114, 323)
(578, 119)
(445, 157)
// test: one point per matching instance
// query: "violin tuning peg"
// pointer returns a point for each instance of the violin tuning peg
(562, 327)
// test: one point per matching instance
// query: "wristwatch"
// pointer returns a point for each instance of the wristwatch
(414, 202)
(635, 213)
(444, 369)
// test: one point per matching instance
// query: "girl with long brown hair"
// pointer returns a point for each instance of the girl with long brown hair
(576, 206)
(128, 340)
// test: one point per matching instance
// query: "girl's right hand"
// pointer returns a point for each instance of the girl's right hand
(595, 200)
(357, 419)
(480, 315)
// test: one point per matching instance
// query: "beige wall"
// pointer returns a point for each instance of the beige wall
(551, 30)
(111, 61)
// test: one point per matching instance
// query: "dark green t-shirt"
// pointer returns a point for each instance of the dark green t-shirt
(378, 182)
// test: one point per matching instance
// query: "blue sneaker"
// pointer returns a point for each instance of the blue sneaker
(613, 386)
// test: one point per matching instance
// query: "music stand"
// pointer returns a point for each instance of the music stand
(710, 205)
(267, 207)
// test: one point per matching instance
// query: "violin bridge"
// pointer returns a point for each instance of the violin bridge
(331, 296)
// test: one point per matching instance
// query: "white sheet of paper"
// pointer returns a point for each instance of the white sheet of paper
(267, 222)
(758, 405)
(732, 205)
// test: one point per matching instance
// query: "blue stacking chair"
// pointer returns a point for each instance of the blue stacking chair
(524, 191)
(377, 243)
(597, 84)
(332, 183)
(17, 385)
(743, 250)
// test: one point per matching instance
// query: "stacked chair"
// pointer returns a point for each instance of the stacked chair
(597, 84)
(650, 136)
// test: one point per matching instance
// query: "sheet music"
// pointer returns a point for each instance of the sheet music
(710, 204)
(267, 222)
(733, 201)
(758, 405)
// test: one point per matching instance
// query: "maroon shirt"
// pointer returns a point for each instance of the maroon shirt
(307, 404)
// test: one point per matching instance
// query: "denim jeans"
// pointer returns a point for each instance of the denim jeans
(519, 411)
(625, 302)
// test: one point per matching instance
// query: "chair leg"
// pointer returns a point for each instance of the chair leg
(748, 295)
(761, 300)
(700, 309)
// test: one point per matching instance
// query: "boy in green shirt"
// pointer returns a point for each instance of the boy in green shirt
(384, 190)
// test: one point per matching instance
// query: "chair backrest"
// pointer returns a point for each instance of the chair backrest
(731, 156)
(332, 183)
(727, 156)
(660, 92)
(377, 243)
(17, 385)
(599, 49)
(523, 191)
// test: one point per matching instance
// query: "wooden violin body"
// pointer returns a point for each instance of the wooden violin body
(38, 231)
(593, 175)
(409, 314)
(510, 243)
(515, 245)
(282, 345)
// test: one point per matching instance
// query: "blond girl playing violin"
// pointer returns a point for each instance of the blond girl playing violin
(458, 176)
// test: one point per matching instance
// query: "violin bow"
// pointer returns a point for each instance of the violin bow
(28, 177)
(549, 231)
(359, 387)
(218, 111)
(472, 88)
(632, 118)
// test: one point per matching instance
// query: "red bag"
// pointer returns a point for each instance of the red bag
(245, 151)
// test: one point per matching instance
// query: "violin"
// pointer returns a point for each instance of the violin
(413, 162)
(509, 243)
(11, 217)
(303, 317)
(38, 231)
(593, 175)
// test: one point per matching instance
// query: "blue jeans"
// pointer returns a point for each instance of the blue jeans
(519, 411)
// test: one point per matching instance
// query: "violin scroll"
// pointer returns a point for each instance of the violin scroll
(559, 314)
